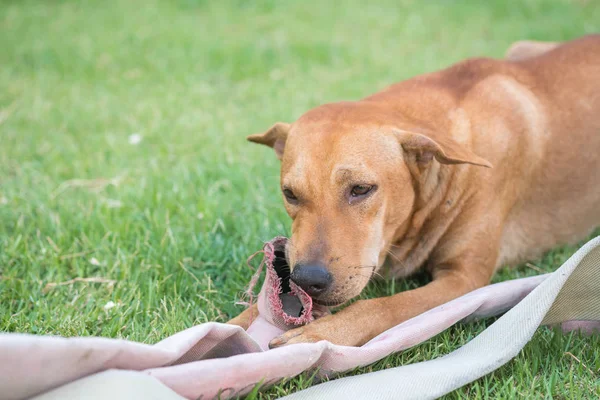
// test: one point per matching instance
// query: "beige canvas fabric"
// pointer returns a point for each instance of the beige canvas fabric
(112, 385)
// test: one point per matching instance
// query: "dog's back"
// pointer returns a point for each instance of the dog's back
(536, 117)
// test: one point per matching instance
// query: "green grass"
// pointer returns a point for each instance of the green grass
(179, 212)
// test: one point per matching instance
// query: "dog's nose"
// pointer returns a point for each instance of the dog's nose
(313, 278)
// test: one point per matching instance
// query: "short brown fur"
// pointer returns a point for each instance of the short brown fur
(426, 144)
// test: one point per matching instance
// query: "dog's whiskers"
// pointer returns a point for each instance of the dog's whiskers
(395, 257)
(370, 276)
(401, 262)
(373, 269)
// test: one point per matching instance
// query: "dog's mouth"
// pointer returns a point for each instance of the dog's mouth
(284, 298)
(289, 294)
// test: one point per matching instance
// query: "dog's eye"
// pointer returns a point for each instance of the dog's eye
(360, 190)
(290, 196)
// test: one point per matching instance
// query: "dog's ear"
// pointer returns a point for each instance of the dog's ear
(444, 150)
(274, 137)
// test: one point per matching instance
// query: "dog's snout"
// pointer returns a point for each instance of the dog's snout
(313, 278)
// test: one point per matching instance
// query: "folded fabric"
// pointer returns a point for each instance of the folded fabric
(282, 304)
(214, 359)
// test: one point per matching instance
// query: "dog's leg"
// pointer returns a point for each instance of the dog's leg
(365, 319)
(246, 317)
(467, 263)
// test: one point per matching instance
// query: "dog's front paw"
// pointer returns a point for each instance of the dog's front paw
(328, 328)
(297, 335)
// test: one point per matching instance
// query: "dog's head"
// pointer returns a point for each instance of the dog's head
(348, 182)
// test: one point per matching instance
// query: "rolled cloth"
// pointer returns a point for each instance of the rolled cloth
(218, 360)
(282, 304)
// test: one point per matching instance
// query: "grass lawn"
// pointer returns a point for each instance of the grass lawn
(122, 156)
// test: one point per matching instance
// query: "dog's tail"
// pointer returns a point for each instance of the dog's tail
(525, 49)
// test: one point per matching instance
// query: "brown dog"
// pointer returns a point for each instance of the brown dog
(406, 175)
